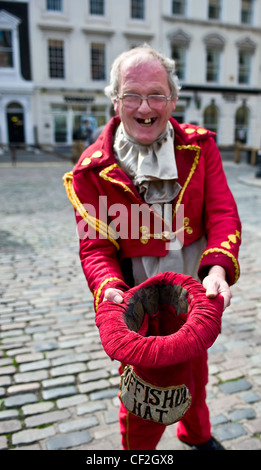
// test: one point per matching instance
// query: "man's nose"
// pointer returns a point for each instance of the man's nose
(144, 105)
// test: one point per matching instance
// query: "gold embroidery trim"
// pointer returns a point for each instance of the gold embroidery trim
(231, 239)
(97, 224)
(104, 174)
(227, 253)
(192, 171)
(164, 236)
(98, 294)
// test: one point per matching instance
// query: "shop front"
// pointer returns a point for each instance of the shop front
(73, 119)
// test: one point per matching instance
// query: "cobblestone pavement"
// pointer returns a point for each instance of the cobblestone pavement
(58, 389)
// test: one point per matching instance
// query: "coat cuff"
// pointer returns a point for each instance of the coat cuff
(220, 257)
(110, 282)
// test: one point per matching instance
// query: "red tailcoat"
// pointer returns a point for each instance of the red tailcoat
(107, 203)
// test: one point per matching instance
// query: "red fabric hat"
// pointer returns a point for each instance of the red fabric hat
(159, 328)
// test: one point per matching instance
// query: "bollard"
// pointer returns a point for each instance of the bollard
(258, 162)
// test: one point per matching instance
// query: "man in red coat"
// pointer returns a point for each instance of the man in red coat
(151, 196)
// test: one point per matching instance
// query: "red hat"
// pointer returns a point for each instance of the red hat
(159, 328)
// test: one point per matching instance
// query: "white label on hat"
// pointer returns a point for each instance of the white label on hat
(161, 405)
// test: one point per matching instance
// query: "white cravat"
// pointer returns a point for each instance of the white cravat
(153, 170)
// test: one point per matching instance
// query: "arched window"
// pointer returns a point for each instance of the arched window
(242, 124)
(211, 118)
(179, 113)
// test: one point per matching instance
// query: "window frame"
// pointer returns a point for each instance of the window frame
(213, 68)
(212, 111)
(92, 5)
(242, 119)
(244, 70)
(54, 64)
(100, 74)
(138, 7)
(7, 51)
(182, 6)
(181, 64)
(215, 5)
(249, 12)
(57, 6)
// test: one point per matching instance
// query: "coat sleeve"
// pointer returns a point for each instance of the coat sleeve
(98, 247)
(223, 226)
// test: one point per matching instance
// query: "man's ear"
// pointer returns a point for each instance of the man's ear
(116, 106)
(174, 102)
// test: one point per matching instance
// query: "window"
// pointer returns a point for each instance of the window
(56, 58)
(179, 113)
(60, 123)
(213, 62)
(54, 5)
(178, 7)
(10, 38)
(214, 9)
(137, 9)
(244, 68)
(247, 11)
(6, 49)
(246, 50)
(242, 124)
(97, 7)
(178, 53)
(211, 117)
(98, 61)
(179, 44)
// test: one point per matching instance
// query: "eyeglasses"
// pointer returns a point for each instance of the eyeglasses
(133, 101)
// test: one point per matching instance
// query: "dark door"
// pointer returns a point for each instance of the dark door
(16, 127)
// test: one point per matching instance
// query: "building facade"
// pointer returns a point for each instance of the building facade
(216, 45)
(16, 85)
(217, 48)
(74, 45)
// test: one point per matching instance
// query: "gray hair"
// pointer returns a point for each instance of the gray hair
(141, 55)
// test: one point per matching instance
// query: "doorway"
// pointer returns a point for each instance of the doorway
(15, 123)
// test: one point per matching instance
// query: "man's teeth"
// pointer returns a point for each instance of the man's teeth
(147, 121)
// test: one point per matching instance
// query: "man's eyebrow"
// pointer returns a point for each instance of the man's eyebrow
(153, 91)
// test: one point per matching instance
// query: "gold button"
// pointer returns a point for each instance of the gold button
(201, 131)
(144, 239)
(86, 161)
(97, 154)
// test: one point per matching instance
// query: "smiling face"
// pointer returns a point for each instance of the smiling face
(144, 124)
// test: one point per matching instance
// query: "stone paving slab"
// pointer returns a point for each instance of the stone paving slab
(58, 389)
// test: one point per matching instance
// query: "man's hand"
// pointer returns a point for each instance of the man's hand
(113, 295)
(215, 283)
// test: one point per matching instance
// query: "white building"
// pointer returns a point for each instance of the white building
(216, 45)
(73, 46)
(16, 86)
